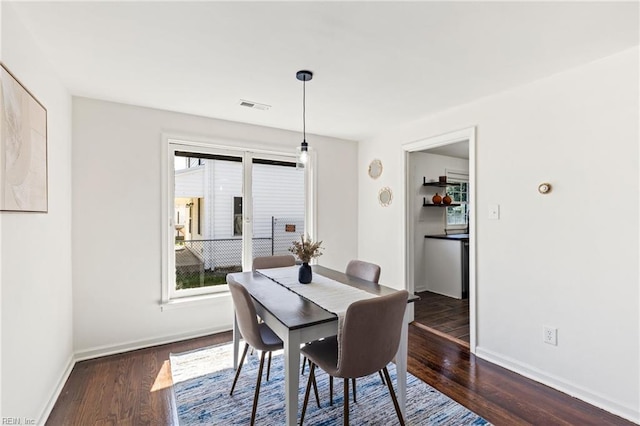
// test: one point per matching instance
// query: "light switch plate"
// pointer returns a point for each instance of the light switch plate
(493, 212)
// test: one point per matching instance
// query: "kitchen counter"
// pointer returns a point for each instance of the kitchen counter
(452, 237)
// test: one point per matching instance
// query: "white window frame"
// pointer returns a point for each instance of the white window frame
(171, 144)
(457, 176)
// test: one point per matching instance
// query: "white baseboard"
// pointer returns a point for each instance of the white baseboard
(595, 399)
(105, 350)
(62, 380)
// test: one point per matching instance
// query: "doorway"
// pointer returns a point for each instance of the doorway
(440, 235)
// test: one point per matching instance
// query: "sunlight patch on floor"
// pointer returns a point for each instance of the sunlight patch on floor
(163, 379)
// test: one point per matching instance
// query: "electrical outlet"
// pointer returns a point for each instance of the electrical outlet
(550, 335)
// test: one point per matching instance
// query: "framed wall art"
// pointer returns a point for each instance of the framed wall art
(23, 148)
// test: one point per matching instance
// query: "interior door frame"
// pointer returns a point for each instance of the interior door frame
(466, 134)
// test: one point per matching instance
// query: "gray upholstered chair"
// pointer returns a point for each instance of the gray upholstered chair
(266, 262)
(369, 341)
(364, 270)
(259, 336)
(255, 334)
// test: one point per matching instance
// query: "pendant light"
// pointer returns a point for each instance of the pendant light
(303, 151)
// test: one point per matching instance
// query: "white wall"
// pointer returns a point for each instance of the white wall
(568, 259)
(428, 220)
(36, 250)
(116, 168)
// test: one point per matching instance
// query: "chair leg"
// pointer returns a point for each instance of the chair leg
(353, 385)
(304, 361)
(331, 391)
(315, 389)
(393, 395)
(345, 419)
(244, 353)
(257, 393)
(381, 378)
(306, 394)
(269, 366)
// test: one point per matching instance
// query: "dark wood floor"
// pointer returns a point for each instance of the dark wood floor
(135, 388)
(444, 314)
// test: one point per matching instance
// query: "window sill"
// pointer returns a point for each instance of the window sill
(188, 302)
(460, 227)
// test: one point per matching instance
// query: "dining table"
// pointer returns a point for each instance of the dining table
(298, 320)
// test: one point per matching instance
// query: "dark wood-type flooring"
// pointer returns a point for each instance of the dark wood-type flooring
(444, 314)
(135, 388)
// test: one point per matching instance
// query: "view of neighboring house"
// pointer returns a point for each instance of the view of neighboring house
(209, 214)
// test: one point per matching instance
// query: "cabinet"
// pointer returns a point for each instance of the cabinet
(447, 264)
(437, 185)
(444, 267)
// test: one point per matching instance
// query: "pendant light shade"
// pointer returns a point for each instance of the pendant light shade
(303, 150)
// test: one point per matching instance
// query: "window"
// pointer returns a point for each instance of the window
(457, 217)
(278, 206)
(237, 216)
(225, 207)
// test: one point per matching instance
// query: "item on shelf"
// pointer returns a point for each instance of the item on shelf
(442, 179)
(446, 199)
(437, 199)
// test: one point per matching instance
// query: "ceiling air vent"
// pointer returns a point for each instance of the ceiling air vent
(254, 105)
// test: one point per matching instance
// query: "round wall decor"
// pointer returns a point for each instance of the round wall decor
(385, 196)
(375, 169)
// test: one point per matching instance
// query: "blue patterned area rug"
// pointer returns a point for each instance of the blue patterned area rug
(202, 380)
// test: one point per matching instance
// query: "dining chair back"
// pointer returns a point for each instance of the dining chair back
(266, 262)
(363, 270)
(252, 331)
(368, 342)
(371, 334)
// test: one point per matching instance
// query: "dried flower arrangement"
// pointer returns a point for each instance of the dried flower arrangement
(306, 249)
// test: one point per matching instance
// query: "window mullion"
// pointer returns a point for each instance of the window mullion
(247, 211)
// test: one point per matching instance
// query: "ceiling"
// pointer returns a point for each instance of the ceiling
(376, 65)
(456, 149)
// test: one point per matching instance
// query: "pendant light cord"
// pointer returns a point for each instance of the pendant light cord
(304, 112)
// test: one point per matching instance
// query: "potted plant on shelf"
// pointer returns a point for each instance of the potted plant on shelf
(305, 250)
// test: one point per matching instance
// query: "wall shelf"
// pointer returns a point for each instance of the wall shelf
(439, 184)
(425, 204)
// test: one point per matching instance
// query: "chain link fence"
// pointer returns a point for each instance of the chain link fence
(201, 263)
(283, 232)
